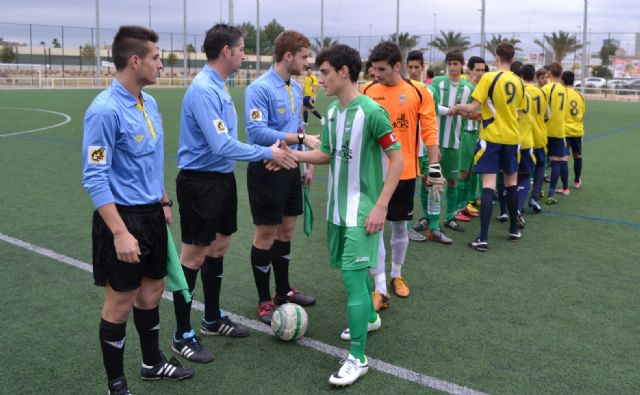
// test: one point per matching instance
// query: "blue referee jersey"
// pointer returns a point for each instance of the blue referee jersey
(209, 128)
(123, 149)
(272, 108)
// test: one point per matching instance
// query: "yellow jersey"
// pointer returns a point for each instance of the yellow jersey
(501, 94)
(413, 117)
(557, 105)
(539, 113)
(525, 122)
(575, 113)
(310, 85)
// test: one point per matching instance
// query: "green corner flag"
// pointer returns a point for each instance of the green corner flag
(175, 280)
(307, 212)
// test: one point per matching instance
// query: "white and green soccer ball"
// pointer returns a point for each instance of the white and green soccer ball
(289, 322)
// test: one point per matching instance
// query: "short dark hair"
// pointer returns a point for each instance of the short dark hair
(308, 68)
(368, 65)
(129, 41)
(555, 69)
(541, 71)
(528, 72)
(568, 78)
(471, 63)
(341, 55)
(289, 41)
(455, 55)
(415, 55)
(386, 51)
(218, 37)
(516, 68)
(486, 68)
(505, 51)
(430, 73)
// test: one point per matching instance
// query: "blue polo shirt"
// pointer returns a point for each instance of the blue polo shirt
(123, 149)
(209, 128)
(272, 108)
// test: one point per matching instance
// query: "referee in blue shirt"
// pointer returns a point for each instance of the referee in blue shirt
(273, 103)
(206, 187)
(123, 171)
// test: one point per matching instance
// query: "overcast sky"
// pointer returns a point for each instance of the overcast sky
(342, 17)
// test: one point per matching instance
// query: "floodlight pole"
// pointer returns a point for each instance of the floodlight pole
(231, 12)
(483, 39)
(257, 38)
(398, 22)
(98, 60)
(149, 14)
(321, 23)
(184, 43)
(583, 69)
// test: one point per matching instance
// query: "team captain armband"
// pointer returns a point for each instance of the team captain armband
(387, 140)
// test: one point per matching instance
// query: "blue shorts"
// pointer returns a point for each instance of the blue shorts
(309, 102)
(491, 158)
(540, 156)
(527, 161)
(575, 143)
(556, 147)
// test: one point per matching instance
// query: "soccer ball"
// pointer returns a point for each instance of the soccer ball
(289, 322)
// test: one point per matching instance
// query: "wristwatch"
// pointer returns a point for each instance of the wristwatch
(167, 204)
(300, 137)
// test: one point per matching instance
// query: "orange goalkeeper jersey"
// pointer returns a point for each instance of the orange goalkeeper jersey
(413, 117)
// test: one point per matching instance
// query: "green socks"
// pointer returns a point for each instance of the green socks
(359, 309)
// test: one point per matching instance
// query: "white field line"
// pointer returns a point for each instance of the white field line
(67, 119)
(384, 367)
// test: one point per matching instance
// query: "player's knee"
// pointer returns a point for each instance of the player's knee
(264, 236)
(149, 294)
(192, 256)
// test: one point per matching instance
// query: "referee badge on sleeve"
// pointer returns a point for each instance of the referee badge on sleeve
(97, 155)
(255, 114)
(220, 126)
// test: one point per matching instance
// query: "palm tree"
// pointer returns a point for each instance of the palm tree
(405, 41)
(324, 43)
(451, 40)
(561, 44)
(492, 44)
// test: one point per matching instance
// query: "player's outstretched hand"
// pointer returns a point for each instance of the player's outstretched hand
(282, 155)
(311, 141)
(127, 249)
(375, 220)
(455, 110)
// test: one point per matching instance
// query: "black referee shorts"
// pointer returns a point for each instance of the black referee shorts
(273, 194)
(147, 224)
(401, 203)
(208, 205)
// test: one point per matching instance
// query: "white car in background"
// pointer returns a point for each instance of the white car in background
(617, 84)
(595, 82)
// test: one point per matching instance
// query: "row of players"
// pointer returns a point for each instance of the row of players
(123, 171)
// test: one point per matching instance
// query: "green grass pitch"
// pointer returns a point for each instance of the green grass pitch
(554, 313)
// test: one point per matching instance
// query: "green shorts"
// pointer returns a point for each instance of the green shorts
(351, 248)
(468, 142)
(450, 163)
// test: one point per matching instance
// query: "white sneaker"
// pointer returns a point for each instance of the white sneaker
(322, 121)
(416, 236)
(372, 326)
(350, 371)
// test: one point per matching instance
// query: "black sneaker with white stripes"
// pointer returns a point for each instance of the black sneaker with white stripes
(479, 245)
(171, 370)
(118, 386)
(223, 327)
(515, 236)
(191, 348)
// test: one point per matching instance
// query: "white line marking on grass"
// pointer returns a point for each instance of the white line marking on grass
(392, 370)
(67, 119)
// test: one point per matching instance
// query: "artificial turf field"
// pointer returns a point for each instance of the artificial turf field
(554, 313)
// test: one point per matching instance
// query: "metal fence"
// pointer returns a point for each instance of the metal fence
(69, 51)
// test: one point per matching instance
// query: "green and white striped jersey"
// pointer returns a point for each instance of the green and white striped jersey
(358, 164)
(446, 95)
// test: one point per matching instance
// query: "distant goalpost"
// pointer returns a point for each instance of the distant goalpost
(17, 66)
